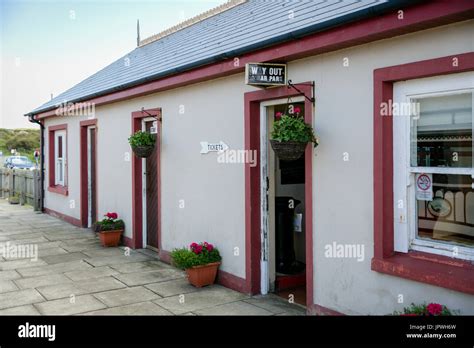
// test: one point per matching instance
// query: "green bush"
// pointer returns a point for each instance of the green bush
(197, 255)
(142, 139)
(289, 128)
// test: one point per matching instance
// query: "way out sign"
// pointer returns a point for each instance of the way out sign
(424, 187)
(265, 74)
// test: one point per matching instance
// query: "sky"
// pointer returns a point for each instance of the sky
(46, 47)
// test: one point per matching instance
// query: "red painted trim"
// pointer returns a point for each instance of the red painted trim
(67, 218)
(316, 309)
(418, 17)
(290, 281)
(231, 281)
(84, 168)
(165, 256)
(137, 206)
(127, 242)
(252, 186)
(62, 190)
(429, 268)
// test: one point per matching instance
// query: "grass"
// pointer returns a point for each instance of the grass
(25, 141)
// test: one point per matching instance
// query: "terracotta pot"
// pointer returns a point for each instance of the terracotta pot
(110, 238)
(288, 150)
(200, 276)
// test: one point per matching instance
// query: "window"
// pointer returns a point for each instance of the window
(433, 166)
(58, 159)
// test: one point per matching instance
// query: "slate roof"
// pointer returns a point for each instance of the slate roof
(251, 25)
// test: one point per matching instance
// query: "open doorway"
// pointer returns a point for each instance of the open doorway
(283, 214)
(88, 145)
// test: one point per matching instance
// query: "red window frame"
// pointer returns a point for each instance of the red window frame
(424, 267)
(52, 187)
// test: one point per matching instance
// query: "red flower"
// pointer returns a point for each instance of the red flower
(278, 115)
(197, 249)
(112, 215)
(434, 308)
(209, 247)
(297, 110)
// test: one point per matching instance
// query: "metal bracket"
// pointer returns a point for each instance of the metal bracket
(312, 99)
(154, 116)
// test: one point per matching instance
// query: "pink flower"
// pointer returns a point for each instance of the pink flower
(208, 246)
(197, 249)
(112, 215)
(297, 110)
(434, 308)
(278, 115)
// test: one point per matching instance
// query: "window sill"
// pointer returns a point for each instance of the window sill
(62, 190)
(428, 268)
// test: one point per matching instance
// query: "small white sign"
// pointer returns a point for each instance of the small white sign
(424, 187)
(207, 147)
(154, 128)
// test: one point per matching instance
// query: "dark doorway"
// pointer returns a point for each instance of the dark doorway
(151, 174)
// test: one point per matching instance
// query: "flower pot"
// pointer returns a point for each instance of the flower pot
(288, 150)
(110, 238)
(203, 275)
(143, 151)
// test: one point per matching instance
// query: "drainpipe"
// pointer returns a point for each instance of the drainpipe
(33, 120)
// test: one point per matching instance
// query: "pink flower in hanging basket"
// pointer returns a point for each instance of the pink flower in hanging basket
(278, 115)
(297, 110)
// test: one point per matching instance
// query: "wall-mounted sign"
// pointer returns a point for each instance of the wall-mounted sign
(207, 147)
(265, 74)
(154, 128)
(424, 187)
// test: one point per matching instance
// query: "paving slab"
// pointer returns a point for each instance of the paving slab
(20, 298)
(276, 305)
(130, 267)
(7, 285)
(22, 263)
(21, 310)
(56, 268)
(68, 306)
(126, 296)
(91, 273)
(53, 259)
(53, 292)
(141, 278)
(142, 308)
(34, 282)
(234, 308)
(9, 275)
(173, 287)
(193, 301)
(114, 260)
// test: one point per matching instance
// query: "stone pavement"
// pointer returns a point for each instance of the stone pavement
(73, 274)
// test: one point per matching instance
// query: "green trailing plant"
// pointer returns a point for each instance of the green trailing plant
(432, 309)
(288, 128)
(110, 222)
(141, 139)
(197, 255)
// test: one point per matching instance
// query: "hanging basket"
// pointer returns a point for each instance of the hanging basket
(143, 151)
(288, 150)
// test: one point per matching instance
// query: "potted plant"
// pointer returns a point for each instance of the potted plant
(142, 143)
(290, 136)
(200, 262)
(110, 229)
(432, 309)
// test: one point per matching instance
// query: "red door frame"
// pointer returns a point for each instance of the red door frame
(137, 192)
(84, 171)
(252, 187)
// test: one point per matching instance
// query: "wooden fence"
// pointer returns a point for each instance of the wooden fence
(24, 184)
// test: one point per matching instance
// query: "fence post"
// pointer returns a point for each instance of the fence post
(37, 190)
(11, 182)
(1, 182)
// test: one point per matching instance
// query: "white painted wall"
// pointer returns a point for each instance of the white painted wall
(214, 193)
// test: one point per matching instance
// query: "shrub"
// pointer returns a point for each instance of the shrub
(110, 222)
(142, 139)
(289, 128)
(196, 255)
(432, 309)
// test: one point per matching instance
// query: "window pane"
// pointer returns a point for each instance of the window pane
(60, 147)
(449, 217)
(442, 135)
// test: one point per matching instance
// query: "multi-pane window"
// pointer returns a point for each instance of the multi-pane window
(433, 166)
(60, 157)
